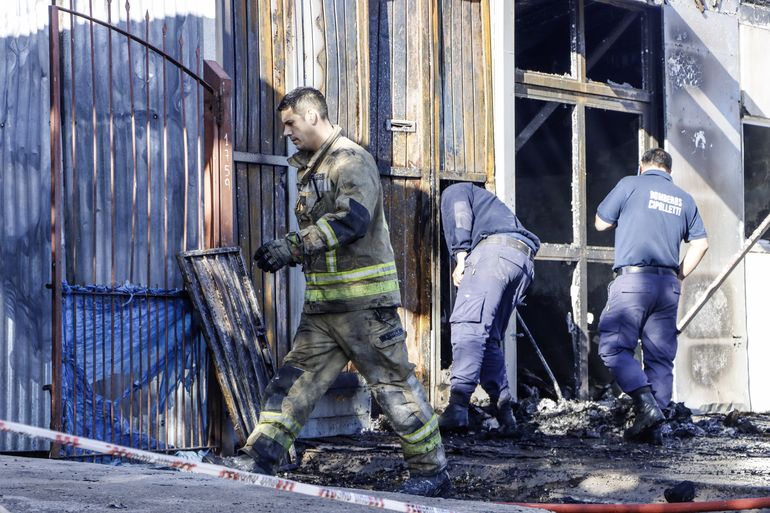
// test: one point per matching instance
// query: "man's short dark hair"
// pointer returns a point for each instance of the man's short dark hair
(303, 98)
(657, 157)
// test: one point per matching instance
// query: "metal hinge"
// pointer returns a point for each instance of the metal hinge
(401, 125)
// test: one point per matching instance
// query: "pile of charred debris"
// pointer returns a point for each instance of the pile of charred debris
(566, 451)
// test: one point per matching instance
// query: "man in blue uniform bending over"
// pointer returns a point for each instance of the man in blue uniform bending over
(494, 255)
(652, 217)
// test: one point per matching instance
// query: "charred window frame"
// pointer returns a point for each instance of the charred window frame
(756, 176)
(589, 94)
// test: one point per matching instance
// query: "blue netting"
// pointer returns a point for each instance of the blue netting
(120, 344)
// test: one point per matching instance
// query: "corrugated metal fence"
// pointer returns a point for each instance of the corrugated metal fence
(102, 243)
(25, 250)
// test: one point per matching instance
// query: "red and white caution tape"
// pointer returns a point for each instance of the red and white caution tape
(217, 470)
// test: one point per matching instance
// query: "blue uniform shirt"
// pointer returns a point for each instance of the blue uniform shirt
(470, 213)
(653, 217)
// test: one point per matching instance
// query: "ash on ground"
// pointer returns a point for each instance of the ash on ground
(566, 451)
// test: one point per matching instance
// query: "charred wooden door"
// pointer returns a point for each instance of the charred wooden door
(464, 148)
(255, 55)
(407, 79)
(401, 140)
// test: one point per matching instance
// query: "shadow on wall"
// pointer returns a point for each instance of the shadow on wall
(703, 122)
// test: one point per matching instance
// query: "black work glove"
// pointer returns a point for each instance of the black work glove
(278, 253)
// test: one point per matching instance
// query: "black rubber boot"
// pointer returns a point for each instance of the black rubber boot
(455, 416)
(263, 457)
(647, 416)
(505, 419)
(436, 485)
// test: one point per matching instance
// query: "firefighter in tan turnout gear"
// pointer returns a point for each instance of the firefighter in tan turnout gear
(350, 304)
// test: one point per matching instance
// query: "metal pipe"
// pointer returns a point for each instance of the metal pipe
(112, 147)
(148, 139)
(154, 48)
(73, 261)
(74, 359)
(140, 416)
(112, 368)
(556, 387)
(56, 194)
(165, 169)
(94, 149)
(165, 374)
(184, 146)
(85, 367)
(130, 376)
(720, 279)
(201, 241)
(674, 507)
(130, 68)
(176, 379)
(93, 365)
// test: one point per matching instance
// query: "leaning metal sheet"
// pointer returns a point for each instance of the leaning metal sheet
(226, 303)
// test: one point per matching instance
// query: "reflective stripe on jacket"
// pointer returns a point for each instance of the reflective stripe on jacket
(349, 263)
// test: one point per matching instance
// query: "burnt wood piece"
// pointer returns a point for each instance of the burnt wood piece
(226, 305)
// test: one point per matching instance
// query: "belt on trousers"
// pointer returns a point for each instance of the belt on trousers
(509, 241)
(648, 269)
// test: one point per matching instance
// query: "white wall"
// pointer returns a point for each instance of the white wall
(758, 328)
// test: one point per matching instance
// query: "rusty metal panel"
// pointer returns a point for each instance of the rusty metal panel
(703, 136)
(25, 250)
(226, 304)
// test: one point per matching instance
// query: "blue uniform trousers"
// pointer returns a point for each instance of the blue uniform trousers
(496, 275)
(641, 306)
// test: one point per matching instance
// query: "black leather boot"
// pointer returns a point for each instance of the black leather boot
(455, 416)
(647, 416)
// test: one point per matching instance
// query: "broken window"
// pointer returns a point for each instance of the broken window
(545, 312)
(578, 134)
(756, 176)
(543, 36)
(544, 168)
(613, 38)
(612, 152)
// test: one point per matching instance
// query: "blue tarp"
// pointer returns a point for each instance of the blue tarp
(118, 343)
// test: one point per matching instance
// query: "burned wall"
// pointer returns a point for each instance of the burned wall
(703, 134)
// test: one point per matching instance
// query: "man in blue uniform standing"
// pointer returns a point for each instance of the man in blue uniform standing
(652, 217)
(494, 254)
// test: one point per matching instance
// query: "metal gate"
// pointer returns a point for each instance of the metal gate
(140, 170)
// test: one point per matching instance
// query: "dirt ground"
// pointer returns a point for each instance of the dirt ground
(37, 485)
(567, 452)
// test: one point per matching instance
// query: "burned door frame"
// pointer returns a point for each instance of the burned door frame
(211, 222)
(580, 92)
(463, 148)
